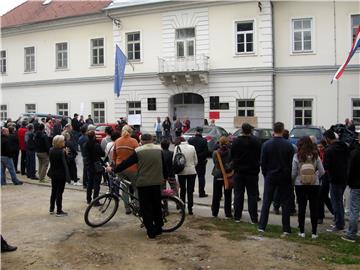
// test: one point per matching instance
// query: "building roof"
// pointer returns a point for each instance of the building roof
(35, 11)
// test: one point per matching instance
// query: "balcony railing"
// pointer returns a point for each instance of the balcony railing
(197, 63)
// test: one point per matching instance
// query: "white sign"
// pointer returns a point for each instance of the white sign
(134, 119)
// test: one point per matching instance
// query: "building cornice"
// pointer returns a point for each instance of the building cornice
(55, 24)
(120, 12)
(314, 69)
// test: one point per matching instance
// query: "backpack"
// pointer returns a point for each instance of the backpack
(307, 173)
(179, 162)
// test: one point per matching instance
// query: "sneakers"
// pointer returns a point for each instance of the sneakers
(61, 214)
(51, 212)
(333, 229)
(261, 230)
(77, 184)
(314, 236)
(237, 220)
(348, 239)
(285, 234)
(18, 183)
(302, 235)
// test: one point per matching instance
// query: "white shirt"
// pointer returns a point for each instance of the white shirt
(109, 149)
(190, 156)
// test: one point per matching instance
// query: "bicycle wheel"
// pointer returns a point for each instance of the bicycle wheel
(173, 212)
(101, 210)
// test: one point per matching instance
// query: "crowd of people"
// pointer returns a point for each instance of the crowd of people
(299, 174)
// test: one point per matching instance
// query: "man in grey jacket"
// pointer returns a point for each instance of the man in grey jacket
(150, 175)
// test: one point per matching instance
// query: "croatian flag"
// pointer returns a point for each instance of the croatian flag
(354, 47)
(120, 61)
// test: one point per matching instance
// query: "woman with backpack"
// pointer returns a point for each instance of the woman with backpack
(224, 154)
(306, 171)
(187, 175)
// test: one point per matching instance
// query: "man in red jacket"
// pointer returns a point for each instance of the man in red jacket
(21, 135)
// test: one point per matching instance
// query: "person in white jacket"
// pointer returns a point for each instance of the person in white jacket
(187, 176)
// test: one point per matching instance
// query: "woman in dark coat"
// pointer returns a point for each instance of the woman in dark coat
(59, 174)
(94, 163)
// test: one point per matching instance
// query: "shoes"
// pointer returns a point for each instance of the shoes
(334, 229)
(18, 183)
(51, 211)
(97, 204)
(77, 184)
(348, 239)
(190, 212)
(7, 248)
(258, 199)
(285, 234)
(314, 236)
(320, 221)
(158, 231)
(276, 211)
(302, 235)
(42, 181)
(203, 195)
(254, 221)
(228, 216)
(61, 214)
(34, 178)
(237, 220)
(151, 237)
(128, 212)
(261, 230)
(17, 172)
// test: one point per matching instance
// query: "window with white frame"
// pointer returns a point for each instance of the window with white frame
(356, 111)
(355, 23)
(97, 51)
(3, 62)
(134, 107)
(245, 37)
(30, 108)
(133, 46)
(61, 55)
(303, 111)
(302, 35)
(29, 53)
(62, 109)
(185, 42)
(3, 112)
(98, 111)
(245, 107)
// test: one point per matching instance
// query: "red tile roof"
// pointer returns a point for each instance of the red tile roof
(33, 11)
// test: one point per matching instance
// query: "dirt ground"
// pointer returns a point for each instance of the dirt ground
(47, 242)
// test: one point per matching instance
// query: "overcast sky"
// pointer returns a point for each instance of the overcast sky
(6, 5)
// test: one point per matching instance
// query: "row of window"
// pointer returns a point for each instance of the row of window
(303, 109)
(302, 42)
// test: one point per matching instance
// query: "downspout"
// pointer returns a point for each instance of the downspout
(273, 61)
(335, 55)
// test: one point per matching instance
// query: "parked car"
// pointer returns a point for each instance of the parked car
(211, 133)
(28, 116)
(100, 130)
(263, 134)
(300, 131)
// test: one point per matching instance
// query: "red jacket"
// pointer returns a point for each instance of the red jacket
(21, 135)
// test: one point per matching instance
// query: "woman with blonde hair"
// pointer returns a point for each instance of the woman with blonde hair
(123, 148)
(224, 153)
(59, 174)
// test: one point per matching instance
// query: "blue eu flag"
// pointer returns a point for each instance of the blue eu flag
(120, 61)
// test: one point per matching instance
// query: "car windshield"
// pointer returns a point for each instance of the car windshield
(100, 128)
(301, 132)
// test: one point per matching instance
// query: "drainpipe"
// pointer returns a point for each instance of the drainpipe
(337, 82)
(273, 60)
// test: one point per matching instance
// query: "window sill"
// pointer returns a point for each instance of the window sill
(302, 53)
(29, 72)
(97, 66)
(134, 62)
(62, 69)
(248, 54)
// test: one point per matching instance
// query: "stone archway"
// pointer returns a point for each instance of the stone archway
(187, 105)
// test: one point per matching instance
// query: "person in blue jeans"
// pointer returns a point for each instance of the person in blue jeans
(354, 184)
(157, 129)
(336, 164)
(6, 160)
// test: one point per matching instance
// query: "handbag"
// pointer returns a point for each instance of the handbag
(99, 167)
(228, 176)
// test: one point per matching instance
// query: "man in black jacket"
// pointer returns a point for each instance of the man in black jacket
(276, 163)
(14, 145)
(335, 163)
(202, 150)
(6, 160)
(245, 154)
(354, 184)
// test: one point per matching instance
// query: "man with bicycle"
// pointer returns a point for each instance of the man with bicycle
(150, 174)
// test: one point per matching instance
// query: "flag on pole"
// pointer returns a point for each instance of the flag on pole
(120, 61)
(354, 47)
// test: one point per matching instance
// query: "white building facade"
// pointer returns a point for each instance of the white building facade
(229, 61)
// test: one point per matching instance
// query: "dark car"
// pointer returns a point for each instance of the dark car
(300, 131)
(263, 134)
(38, 116)
(212, 135)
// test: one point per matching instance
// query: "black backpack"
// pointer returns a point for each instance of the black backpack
(179, 162)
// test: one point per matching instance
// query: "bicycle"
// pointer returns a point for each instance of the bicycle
(103, 208)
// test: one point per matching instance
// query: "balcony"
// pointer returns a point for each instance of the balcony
(185, 70)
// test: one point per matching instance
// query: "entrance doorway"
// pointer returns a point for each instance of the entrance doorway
(187, 105)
